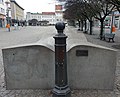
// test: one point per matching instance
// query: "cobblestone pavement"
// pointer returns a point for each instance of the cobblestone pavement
(33, 34)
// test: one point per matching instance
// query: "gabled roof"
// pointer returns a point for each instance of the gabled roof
(48, 13)
(34, 13)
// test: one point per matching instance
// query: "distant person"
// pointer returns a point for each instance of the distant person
(16, 25)
(22, 24)
(8, 26)
(66, 24)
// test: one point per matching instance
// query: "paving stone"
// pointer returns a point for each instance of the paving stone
(33, 34)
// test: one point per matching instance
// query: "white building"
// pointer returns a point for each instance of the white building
(17, 12)
(2, 13)
(30, 16)
(49, 16)
(59, 8)
(44, 16)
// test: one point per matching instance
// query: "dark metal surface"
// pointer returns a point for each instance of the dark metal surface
(61, 83)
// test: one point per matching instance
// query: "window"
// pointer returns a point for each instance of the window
(2, 10)
(1, 1)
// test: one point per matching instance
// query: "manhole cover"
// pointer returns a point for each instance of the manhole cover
(116, 46)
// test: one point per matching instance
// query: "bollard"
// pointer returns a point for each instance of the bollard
(61, 88)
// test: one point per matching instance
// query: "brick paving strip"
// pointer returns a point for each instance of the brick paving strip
(47, 93)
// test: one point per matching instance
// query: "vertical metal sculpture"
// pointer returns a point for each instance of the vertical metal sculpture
(61, 88)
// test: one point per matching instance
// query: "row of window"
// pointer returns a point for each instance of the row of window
(48, 19)
(1, 1)
(41, 16)
(2, 10)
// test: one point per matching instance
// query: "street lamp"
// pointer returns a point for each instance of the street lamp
(7, 15)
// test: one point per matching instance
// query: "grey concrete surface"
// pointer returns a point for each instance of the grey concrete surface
(93, 71)
(29, 67)
(30, 35)
(32, 66)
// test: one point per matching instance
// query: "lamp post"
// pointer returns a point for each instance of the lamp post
(7, 15)
(61, 88)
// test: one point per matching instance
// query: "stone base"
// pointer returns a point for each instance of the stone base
(61, 92)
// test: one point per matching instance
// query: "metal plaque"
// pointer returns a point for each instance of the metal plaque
(81, 52)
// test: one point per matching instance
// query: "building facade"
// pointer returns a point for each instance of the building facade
(59, 9)
(49, 16)
(117, 19)
(30, 16)
(59, 12)
(108, 20)
(40, 17)
(2, 13)
(52, 17)
(17, 12)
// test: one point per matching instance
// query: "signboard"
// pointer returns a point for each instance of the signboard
(81, 53)
(58, 7)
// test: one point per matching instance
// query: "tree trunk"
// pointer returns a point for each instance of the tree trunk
(81, 25)
(101, 28)
(85, 27)
(91, 28)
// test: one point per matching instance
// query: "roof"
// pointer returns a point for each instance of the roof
(48, 13)
(34, 13)
(16, 4)
(61, 0)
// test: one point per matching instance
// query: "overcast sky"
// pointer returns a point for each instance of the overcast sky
(37, 5)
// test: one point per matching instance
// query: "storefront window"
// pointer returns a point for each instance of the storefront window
(0, 22)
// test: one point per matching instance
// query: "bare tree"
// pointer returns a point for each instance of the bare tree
(116, 3)
(98, 9)
(76, 9)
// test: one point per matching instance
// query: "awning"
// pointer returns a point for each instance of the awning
(2, 16)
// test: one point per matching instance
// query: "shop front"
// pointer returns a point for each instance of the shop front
(117, 19)
(2, 21)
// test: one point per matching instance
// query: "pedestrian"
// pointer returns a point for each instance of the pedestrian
(15, 26)
(8, 26)
(22, 24)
